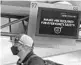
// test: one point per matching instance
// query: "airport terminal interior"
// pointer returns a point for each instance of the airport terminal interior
(54, 25)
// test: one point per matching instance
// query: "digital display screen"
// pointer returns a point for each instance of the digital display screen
(57, 22)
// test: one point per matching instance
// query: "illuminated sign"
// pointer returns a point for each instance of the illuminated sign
(57, 22)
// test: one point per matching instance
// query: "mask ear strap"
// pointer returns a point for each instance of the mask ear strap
(32, 46)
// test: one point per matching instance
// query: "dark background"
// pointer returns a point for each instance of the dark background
(56, 14)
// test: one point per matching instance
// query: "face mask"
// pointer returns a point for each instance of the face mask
(14, 50)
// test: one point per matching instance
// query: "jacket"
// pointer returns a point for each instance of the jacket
(36, 60)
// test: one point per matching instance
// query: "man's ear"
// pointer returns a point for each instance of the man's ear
(33, 46)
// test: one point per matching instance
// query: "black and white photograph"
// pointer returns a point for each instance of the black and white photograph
(40, 32)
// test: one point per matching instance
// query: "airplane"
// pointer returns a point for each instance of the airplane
(20, 10)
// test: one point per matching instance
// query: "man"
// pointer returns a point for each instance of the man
(23, 47)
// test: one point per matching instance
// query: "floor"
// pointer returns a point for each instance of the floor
(73, 58)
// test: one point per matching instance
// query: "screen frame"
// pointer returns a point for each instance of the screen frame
(56, 36)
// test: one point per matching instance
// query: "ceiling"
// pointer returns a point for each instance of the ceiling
(22, 8)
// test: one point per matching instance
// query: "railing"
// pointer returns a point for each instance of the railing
(10, 23)
(13, 22)
(9, 34)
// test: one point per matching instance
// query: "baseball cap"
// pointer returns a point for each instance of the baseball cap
(26, 40)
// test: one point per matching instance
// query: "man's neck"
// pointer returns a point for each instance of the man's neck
(25, 57)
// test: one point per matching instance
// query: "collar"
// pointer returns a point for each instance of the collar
(26, 58)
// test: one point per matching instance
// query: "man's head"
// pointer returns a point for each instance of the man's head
(22, 46)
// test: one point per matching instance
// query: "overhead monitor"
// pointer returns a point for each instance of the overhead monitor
(54, 27)
(57, 23)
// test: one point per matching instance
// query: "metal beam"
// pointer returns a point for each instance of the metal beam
(11, 16)
(13, 22)
(9, 34)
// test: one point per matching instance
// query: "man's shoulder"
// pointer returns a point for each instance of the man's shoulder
(35, 60)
